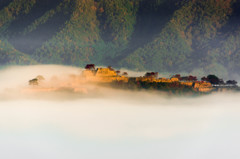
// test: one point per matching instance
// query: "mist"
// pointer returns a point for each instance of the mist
(75, 120)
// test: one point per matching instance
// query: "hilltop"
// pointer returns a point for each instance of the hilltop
(191, 36)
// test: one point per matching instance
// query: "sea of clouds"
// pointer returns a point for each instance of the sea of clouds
(97, 122)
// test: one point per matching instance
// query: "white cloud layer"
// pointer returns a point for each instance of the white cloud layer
(109, 123)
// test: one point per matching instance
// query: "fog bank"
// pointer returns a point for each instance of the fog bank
(107, 123)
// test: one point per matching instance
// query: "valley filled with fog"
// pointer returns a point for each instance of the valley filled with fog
(88, 121)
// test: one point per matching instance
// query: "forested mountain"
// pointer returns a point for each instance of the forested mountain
(192, 36)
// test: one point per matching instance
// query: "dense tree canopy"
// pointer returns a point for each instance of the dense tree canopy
(159, 35)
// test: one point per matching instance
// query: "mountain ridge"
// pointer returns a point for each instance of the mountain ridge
(161, 35)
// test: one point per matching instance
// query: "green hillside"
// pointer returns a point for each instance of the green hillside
(192, 36)
(184, 42)
(10, 56)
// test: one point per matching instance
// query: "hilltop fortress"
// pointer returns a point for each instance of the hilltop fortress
(110, 77)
